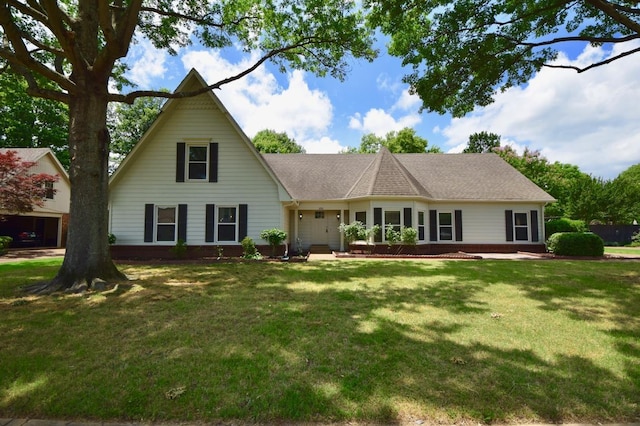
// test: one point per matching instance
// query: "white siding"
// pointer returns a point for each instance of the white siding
(150, 176)
(485, 223)
(60, 202)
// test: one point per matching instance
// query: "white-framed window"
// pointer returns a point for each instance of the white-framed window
(48, 190)
(392, 218)
(445, 226)
(521, 226)
(227, 223)
(166, 221)
(421, 226)
(197, 162)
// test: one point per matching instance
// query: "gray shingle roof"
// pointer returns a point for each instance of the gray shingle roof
(463, 177)
(27, 154)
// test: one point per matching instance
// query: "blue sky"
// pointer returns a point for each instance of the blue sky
(589, 119)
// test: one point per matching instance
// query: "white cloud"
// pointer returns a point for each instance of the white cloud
(147, 63)
(588, 119)
(380, 122)
(258, 102)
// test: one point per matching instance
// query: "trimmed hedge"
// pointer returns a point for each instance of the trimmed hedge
(564, 225)
(575, 244)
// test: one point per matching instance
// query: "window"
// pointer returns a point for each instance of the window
(521, 226)
(361, 217)
(49, 191)
(227, 224)
(320, 214)
(197, 163)
(166, 224)
(445, 226)
(391, 219)
(421, 229)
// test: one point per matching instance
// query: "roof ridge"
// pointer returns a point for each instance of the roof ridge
(373, 165)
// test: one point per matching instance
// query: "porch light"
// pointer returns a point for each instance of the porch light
(338, 216)
(300, 216)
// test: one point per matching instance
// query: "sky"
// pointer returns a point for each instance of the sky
(588, 119)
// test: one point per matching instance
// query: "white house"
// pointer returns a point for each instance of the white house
(45, 226)
(196, 177)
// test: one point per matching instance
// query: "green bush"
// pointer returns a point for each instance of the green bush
(391, 235)
(564, 225)
(354, 231)
(635, 240)
(274, 237)
(249, 250)
(112, 239)
(409, 236)
(576, 244)
(180, 249)
(4, 243)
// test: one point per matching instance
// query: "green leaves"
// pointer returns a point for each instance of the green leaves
(462, 51)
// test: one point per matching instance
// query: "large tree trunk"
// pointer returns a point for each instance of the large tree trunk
(88, 259)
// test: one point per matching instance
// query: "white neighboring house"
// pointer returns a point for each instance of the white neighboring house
(196, 177)
(45, 226)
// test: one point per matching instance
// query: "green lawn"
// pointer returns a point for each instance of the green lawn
(622, 250)
(364, 341)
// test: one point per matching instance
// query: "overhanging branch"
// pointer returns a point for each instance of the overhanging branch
(596, 64)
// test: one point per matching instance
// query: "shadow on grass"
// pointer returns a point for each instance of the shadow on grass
(367, 341)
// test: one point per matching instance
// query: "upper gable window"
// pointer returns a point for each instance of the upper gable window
(197, 162)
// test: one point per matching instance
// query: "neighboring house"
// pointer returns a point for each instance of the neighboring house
(45, 226)
(196, 177)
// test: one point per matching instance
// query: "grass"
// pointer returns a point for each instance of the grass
(622, 250)
(350, 341)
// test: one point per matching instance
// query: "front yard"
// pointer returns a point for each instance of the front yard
(366, 341)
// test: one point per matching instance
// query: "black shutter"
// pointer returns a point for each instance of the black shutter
(407, 217)
(377, 220)
(213, 162)
(535, 233)
(508, 220)
(242, 222)
(148, 223)
(181, 150)
(209, 233)
(458, 219)
(433, 225)
(182, 222)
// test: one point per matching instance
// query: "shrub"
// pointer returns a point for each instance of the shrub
(4, 243)
(564, 225)
(180, 249)
(112, 239)
(635, 240)
(274, 237)
(576, 244)
(409, 236)
(353, 231)
(249, 250)
(392, 236)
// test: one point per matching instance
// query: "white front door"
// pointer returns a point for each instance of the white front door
(319, 228)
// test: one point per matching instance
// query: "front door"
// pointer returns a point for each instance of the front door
(320, 228)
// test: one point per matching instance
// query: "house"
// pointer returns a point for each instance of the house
(45, 226)
(196, 177)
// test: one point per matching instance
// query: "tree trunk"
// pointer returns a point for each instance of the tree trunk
(87, 257)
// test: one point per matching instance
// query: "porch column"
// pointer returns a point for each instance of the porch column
(342, 219)
(296, 221)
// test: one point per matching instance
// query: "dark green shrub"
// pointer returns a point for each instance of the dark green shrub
(4, 243)
(249, 250)
(635, 240)
(180, 249)
(575, 244)
(274, 237)
(564, 225)
(112, 239)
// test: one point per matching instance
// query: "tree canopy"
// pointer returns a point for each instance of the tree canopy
(72, 51)
(128, 122)
(482, 142)
(461, 51)
(403, 141)
(27, 122)
(271, 142)
(21, 190)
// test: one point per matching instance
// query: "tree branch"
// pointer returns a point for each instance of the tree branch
(609, 10)
(557, 40)
(206, 20)
(596, 64)
(131, 97)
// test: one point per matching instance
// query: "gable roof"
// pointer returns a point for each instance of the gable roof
(34, 155)
(192, 82)
(441, 177)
